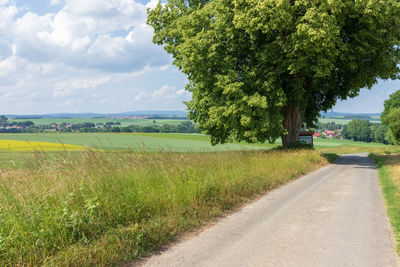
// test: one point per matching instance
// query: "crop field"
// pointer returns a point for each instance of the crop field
(342, 121)
(172, 142)
(16, 145)
(152, 142)
(134, 141)
(124, 122)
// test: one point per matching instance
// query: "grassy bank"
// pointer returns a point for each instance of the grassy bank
(111, 208)
(389, 177)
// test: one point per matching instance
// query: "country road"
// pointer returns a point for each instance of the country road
(334, 216)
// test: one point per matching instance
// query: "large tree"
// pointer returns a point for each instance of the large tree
(261, 69)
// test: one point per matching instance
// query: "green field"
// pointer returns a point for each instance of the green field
(341, 121)
(162, 141)
(148, 122)
(134, 141)
(124, 122)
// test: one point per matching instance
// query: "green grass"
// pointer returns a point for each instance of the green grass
(133, 141)
(389, 169)
(124, 122)
(170, 142)
(109, 208)
(113, 206)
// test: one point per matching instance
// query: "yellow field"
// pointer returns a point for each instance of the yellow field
(14, 145)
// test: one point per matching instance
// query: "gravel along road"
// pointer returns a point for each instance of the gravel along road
(334, 216)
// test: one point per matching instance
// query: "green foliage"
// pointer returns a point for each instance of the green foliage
(391, 103)
(3, 120)
(380, 134)
(392, 120)
(391, 116)
(247, 61)
(358, 130)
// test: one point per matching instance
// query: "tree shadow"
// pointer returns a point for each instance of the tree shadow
(330, 157)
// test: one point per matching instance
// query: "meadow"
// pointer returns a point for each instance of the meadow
(107, 208)
(164, 141)
(104, 199)
(155, 142)
(338, 120)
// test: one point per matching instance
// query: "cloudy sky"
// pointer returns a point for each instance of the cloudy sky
(97, 56)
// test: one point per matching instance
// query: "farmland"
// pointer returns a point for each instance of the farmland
(130, 196)
(153, 142)
(164, 141)
(149, 122)
(18, 145)
(134, 141)
(124, 122)
(339, 120)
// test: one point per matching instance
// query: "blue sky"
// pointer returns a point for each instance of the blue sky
(97, 56)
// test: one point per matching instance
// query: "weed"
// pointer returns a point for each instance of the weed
(106, 208)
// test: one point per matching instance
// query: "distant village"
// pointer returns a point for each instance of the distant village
(329, 134)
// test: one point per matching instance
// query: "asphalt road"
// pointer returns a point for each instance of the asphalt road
(332, 217)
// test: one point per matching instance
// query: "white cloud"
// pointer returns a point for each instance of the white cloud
(5, 50)
(56, 2)
(7, 15)
(91, 55)
(165, 94)
(139, 96)
(91, 34)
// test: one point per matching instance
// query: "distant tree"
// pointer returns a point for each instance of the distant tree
(391, 116)
(3, 120)
(358, 130)
(258, 70)
(392, 120)
(380, 134)
(115, 129)
(25, 124)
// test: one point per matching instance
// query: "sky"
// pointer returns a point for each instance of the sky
(97, 56)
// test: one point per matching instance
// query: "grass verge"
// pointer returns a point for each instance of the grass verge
(105, 209)
(389, 177)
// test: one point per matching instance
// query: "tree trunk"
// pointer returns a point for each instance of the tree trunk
(292, 123)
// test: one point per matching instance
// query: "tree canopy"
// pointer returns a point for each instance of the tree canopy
(358, 130)
(391, 115)
(260, 69)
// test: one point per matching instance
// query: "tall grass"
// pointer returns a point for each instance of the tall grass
(97, 208)
(389, 178)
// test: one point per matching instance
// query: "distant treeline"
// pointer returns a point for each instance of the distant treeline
(365, 131)
(29, 127)
(359, 130)
(330, 126)
(351, 117)
(183, 127)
